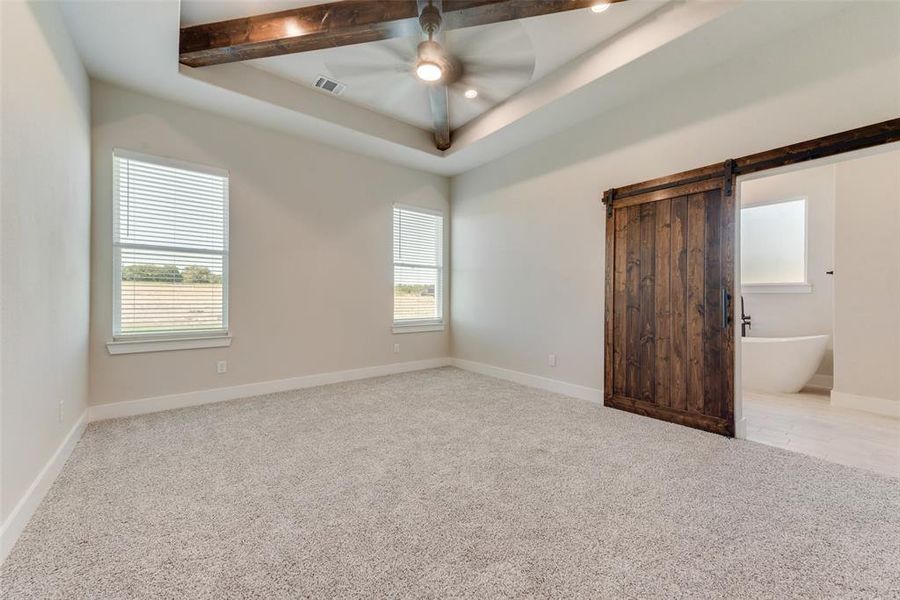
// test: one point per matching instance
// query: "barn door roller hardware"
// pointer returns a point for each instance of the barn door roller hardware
(608, 197)
(728, 188)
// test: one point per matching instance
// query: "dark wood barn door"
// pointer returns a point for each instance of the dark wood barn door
(669, 290)
(670, 258)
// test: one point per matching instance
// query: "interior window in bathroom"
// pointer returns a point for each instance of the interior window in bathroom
(773, 243)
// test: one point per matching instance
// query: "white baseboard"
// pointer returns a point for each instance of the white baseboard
(142, 406)
(536, 381)
(740, 429)
(17, 520)
(821, 381)
(881, 406)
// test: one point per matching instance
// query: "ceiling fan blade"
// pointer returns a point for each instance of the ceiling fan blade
(402, 90)
(401, 49)
(512, 68)
(476, 41)
(363, 70)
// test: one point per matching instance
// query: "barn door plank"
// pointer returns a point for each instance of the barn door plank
(647, 372)
(609, 304)
(696, 301)
(663, 302)
(728, 275)
(713, 330)
(678, 394)
(632, 301)
(620, 225)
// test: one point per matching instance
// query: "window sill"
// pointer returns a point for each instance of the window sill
(777, 288)
(418, 328)
(162, 345)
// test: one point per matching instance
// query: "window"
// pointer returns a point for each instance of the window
(418, 268)
(170, 249)
(773, 246)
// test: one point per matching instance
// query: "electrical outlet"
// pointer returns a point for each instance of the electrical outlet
(221, 367)
(551, 360)
(396, 348)
(59, 416)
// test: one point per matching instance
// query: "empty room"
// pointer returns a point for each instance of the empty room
(449, 299)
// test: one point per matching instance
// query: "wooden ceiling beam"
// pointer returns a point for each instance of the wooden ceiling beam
(297, 30)
(342, 24)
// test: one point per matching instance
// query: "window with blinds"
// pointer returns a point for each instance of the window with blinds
(418, 266)
(170, 244)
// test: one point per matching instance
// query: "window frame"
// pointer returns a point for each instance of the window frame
(420, 325)
(787, 287)
(168, 340)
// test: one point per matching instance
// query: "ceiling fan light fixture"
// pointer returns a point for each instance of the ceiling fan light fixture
(429, 71)
(599, 7)
(471, 94)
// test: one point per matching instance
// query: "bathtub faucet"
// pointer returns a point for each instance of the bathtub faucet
(745, 320)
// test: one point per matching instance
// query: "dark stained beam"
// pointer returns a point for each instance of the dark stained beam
(342, 24)
(877, 134)
(440, 112)
(297, 30)
(470, 13)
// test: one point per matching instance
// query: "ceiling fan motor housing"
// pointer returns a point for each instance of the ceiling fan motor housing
(432, 52)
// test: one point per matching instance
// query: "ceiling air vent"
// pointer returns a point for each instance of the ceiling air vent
(330, 85)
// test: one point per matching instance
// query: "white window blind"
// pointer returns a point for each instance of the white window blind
(170, 242)
(418, 266)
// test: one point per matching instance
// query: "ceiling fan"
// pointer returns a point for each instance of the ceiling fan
(445, 67)
(445, 71)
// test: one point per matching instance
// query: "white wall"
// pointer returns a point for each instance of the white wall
(44, 169)
(867, 283)
(310, 251)
(795, 314)
(528, 229)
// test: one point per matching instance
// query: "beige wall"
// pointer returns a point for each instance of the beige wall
(867, 278)
(45, 189)
(795, 314)
(528, 229)
(310, 251)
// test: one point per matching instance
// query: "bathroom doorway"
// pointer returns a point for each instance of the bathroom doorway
(818, 365)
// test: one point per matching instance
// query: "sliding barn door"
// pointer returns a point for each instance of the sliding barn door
(669, 278)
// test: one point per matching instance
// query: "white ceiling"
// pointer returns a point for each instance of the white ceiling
(585, 64)
(378, 80)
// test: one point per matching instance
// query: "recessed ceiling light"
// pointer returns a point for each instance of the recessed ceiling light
(600, 7)
(471, 94)
(428, 71)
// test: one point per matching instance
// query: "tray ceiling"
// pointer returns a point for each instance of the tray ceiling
(378, 80)
(585, 64)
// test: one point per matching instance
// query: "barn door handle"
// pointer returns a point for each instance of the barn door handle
(726, 309)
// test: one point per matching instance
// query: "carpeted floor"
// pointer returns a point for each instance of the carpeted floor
(444, 483)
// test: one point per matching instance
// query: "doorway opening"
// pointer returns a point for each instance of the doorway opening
(818, 363)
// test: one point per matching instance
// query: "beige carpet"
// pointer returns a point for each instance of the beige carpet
(441, 484)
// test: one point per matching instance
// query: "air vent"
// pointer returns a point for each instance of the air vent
(330, 85)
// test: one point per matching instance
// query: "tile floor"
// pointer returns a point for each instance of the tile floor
(806, 422)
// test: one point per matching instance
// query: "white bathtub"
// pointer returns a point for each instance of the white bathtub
(780, 364)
